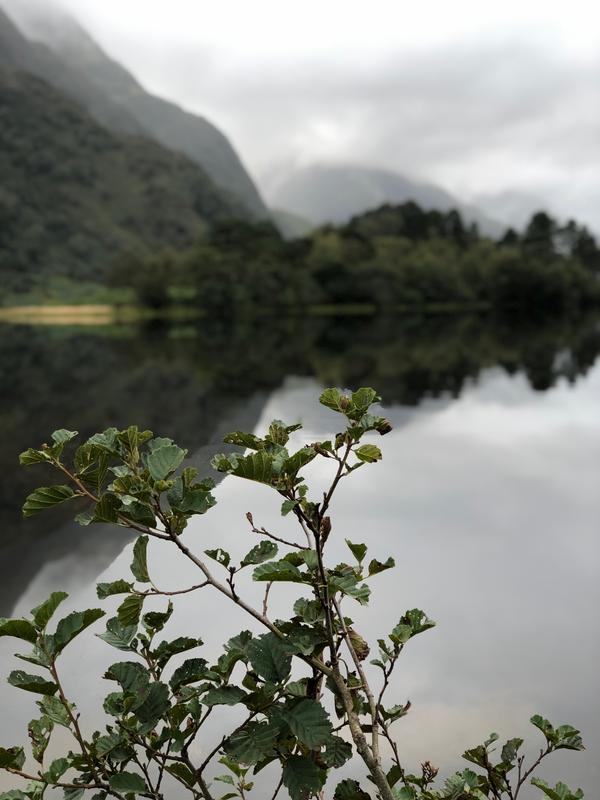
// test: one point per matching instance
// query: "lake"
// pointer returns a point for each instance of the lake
(487, 497)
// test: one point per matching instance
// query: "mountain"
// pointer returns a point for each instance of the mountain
(64, 54)
(324, 193)
(74, 195)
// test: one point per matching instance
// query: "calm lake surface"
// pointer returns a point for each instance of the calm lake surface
(488, 498)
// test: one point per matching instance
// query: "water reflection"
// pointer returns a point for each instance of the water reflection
(487, 497)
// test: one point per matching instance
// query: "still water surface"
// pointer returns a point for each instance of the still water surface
(487, 498)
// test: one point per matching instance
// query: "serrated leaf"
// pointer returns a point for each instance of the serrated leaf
(350, 790)
(287, 506)
(72, 625)
(12, 757)
(39, 734)
(118, 635)
(130, 610)
(107, 510)
(43, 613)
(242, 439)
(139, 565)
(191, 671)
(167, 650)
(162, 461)
(104, 590)
(224, 696)
(359, 551)
(220, 556)
(262, 552)
(32, 456)
(53, 708)
(270, 657)
(310, 611)
(413, 622)
(18, 629)
(337, 752)
(253, 743)
(255, 467)
(46, 497)
(57, 769)
(309, 722)
(335, 400)
(278, 571)
(153, 703)
(375, 567)
(368, 453)
(31, 683)
(183, 773)
(127, 783)
(63, 436)
(302, 777)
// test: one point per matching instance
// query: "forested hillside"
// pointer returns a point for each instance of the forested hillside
(66, 56)
(74, 195)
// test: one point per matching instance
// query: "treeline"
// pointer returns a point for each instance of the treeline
(390, 258)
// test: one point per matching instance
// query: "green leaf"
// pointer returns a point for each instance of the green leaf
(130, 610)
(560, 792)
(278, 571)
(413, 622)
(375, 567)
(302, 778)
(54, 708)
(183, 773)
(270, 657)
(57, 769)
(224, 696)
(46, 497)
(350, 790)
(349, 585)
(18, 629)
(359, 551)
(43, 613)
(164, 460)
(362, 399)
(104, 590)
(153, 703)
(118, 635)
(220, 556)
(106, 511)
(127, 783)
(62, 436)
(262, 552)
(13, 758)
(155, 621)
(253, 743)
(31, 683)
(310, 611)
(242, 439)
(166, 650)
(510, 750)
(32, 456)
(72, 625)
(255, 467)
(337, 752)
(287, 506)
(335, 400)
(309, 722)
(139, 565)
(368, 453)
(293, 464)
(191, 671)
(130, 675)
(39, 734)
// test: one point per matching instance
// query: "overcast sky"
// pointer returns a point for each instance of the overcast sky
(476, 96)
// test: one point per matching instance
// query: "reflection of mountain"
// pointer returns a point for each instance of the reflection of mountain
(74, 195)
(335, 193)
(190, 386)
(72, 61)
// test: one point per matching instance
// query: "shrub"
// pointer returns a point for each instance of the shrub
(309, 724)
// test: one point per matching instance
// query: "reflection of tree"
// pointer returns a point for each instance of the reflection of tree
(183, 382)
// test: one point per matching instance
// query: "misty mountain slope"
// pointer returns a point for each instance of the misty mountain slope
(334, 193)
(18, 52)
(74, 195)
(170, 125)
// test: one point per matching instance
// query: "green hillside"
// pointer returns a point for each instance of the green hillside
(74, 195)
(73, 62)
